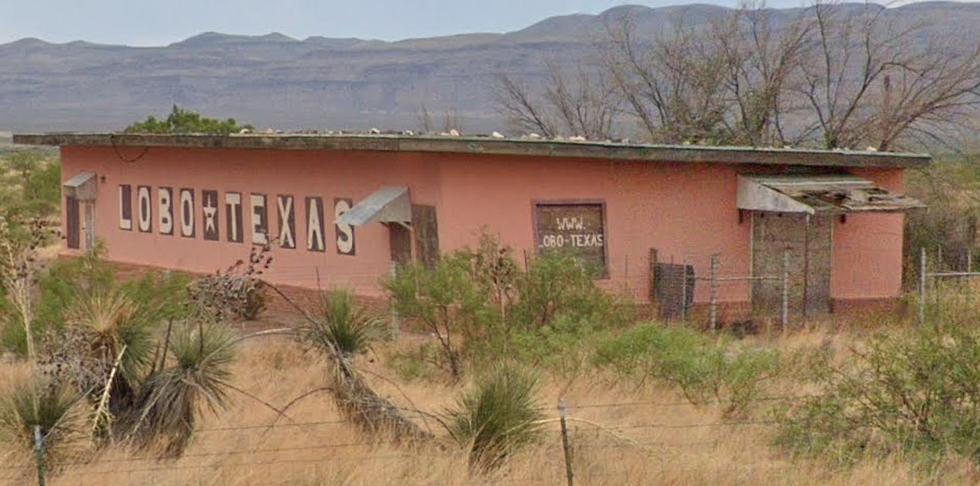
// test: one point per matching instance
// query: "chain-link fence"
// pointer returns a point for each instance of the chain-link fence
(718, 289)
(947, 287)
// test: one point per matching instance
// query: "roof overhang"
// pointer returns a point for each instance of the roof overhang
(826, 194)
(601, 150)
(386, 205)
(83, 186)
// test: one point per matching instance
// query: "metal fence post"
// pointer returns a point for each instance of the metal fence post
(784, 314)
(396, 321)
(684, 289)
(39, 454)
(922, 287)
(714, 292)
(566, 443)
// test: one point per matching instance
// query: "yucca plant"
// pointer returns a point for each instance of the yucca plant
(106, 322)
(344, 325)
(195, 380)
(498, 417)
(49, 405)
(339, 331)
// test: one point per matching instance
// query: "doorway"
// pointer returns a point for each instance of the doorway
(807, 238)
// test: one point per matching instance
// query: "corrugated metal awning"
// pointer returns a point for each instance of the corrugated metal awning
(818, 194)
(83, 186)
(386, 205)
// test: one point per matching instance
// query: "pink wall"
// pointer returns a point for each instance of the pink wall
(867, 251)
(685, 211)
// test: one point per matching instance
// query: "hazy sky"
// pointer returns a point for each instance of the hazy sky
(160, 22)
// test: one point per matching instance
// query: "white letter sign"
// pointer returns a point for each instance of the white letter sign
(166, 202)
(145, 211)
(314, 224)
(260, 225)
(287, 222)
(187, 213)
(233, 211)
(345, 232)
(126, 207)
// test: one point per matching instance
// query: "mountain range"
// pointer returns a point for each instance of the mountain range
(321, 83)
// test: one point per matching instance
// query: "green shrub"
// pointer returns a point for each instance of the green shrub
(917, 393)
(161, 296)
(419, 364)
(563, 347)
(186, 121)
(480, 305)
(559, 285)
(446, 301)
(497, 417)
(64, 280)
(705, 369)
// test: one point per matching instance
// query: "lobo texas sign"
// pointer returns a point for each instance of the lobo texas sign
(173, 212)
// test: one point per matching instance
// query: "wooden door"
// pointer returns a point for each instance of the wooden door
(808, 241)
(72, 223)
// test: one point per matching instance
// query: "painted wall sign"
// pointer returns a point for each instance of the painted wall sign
(576, 229)
(345, 232)
(314, 224)
(260, 219)
(187, 227)
(233, 214)
(166, 210)
(126, 207)
(209, 209)
(176, 213)
(287, 221)
(144, 209)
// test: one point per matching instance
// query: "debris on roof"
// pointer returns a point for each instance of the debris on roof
(818, 194)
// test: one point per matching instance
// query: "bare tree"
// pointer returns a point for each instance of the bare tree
(759, 60)
(672, 85)
(424, 119)
(721, 83)
(869, 83)
(580, 103)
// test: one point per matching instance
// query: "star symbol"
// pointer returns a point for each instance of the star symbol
(210, 210)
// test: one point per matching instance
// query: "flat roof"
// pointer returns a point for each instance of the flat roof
(489, 146)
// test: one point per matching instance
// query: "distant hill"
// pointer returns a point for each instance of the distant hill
(278, 81)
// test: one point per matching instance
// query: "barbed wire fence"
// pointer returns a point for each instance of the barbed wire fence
(577, 435)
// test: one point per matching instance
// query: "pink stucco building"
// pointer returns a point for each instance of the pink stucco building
(340, 210)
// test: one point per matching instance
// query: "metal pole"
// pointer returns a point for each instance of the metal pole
(684, 289)
(714, 292)
(39, 454)
(922, 287)
(806, 266)
(396, 326)
(566, 443)
(626, 275)
(784, 315)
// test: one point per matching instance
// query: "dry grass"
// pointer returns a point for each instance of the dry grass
(313, 446)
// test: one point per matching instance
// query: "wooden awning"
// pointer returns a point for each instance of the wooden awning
(818, 194)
